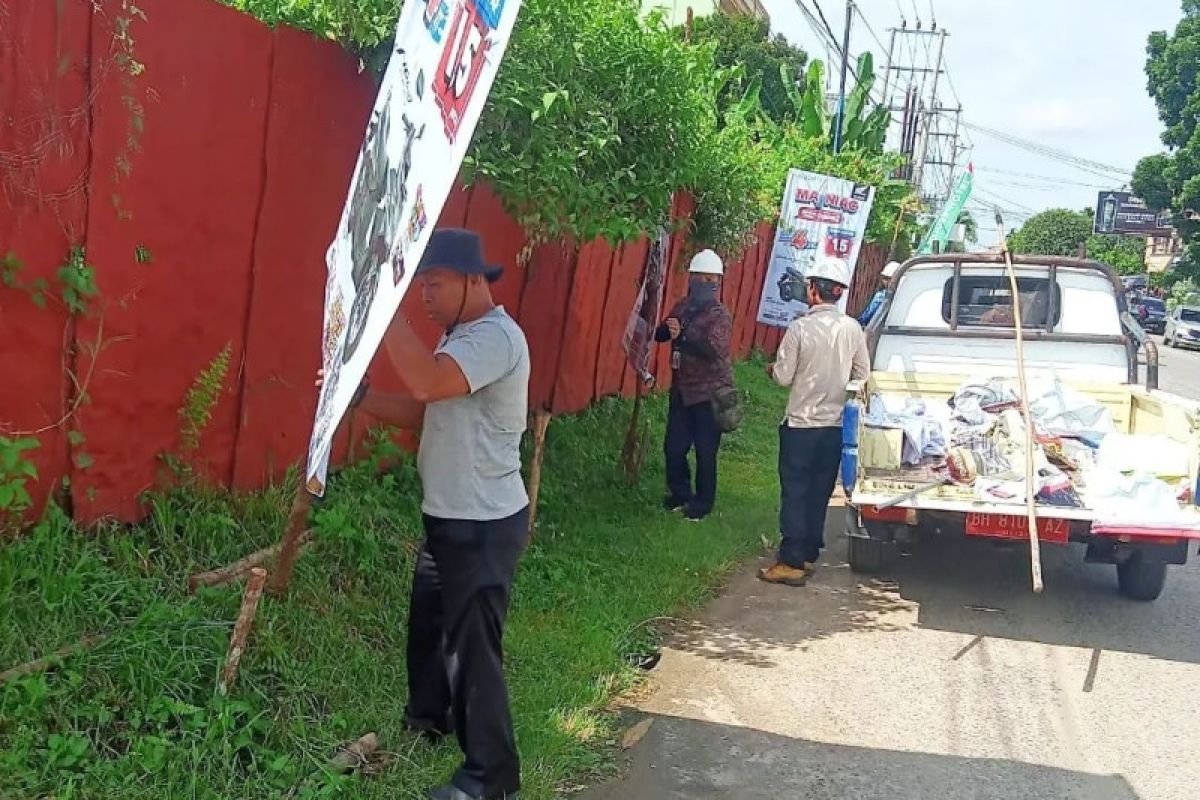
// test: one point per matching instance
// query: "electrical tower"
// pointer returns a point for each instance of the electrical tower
(929, 128)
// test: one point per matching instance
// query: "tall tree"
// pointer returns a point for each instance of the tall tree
(745, 42)
(1057, 232)
(1173, 79)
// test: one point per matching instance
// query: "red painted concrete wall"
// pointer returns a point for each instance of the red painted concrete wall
(234, 187)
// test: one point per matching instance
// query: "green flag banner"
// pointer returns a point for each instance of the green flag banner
(939, 231)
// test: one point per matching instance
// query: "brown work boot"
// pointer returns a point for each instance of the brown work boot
(783, 574)
(810, 567)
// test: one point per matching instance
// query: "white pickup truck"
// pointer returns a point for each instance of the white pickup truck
(947, 323)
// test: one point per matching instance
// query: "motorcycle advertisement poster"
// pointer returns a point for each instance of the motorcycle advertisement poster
(444, 60)
(820, 216)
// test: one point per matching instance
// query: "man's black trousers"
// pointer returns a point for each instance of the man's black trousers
(460, 599)
(808, 468)
(689, 427)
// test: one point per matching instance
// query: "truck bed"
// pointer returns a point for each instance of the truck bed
(1134, 411)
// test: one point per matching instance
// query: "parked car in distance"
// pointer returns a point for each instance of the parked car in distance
(1183, 327)
(1151, 313)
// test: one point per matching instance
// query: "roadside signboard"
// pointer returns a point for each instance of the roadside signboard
(441, 69)
(820, 216)
(1121, 212)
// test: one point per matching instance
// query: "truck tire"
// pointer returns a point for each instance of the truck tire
(1140, 578)
(866, 555)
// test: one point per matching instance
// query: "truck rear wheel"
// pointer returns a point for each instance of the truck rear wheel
(866, 555)
(1141, 579)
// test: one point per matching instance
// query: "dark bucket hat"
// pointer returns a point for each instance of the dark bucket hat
(460, 251)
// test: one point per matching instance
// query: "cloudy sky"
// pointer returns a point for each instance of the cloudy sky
(1065, 73)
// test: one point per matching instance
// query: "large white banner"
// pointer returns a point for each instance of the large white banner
(440, 72)
(820, 216)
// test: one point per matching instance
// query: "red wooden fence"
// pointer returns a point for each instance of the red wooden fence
(237, 171)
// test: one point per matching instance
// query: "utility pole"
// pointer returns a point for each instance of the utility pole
(841, 110)
(929, 117)
(922, 134)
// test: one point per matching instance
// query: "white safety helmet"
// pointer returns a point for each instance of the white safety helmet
(890, 270)
(831, 269)
(706, 262)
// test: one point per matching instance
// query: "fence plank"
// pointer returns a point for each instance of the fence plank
(310, 153)
(575, 381)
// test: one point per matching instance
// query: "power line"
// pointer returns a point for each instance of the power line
(870, 30)
(1087, 165)
(1045, 178)
(1002, 199)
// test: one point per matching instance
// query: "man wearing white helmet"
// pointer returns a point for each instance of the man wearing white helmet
(888, 273)
(820, 353)
(699, 329)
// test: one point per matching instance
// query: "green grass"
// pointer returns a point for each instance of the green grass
(136, 716)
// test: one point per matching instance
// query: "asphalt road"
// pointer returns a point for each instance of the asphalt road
(1179, 371)
(946, 678)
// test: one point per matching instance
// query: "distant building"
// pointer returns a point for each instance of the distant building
(676, 10)
(1162, 252)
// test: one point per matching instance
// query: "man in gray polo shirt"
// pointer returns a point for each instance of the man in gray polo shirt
(470, 400)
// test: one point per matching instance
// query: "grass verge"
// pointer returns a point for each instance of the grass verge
(136, 715)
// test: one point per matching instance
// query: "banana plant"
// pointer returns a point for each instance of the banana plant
(864, 128)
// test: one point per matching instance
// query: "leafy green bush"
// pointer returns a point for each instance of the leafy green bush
(600, 114)
(596, 118)
(359, 24)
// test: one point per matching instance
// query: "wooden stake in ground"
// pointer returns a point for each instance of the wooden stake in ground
(289, 546)
(1035, 546)
(541, 423)
(231, 572)
(354, 756)
(241, 630)
(46, 662)
(631, 454)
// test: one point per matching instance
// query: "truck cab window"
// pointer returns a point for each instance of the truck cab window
(986, 300)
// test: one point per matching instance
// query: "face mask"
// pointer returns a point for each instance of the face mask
(699, 290)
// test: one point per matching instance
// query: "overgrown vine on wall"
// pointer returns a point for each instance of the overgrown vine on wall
(74, 290)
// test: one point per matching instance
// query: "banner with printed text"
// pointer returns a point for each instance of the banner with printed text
(821, 216)
(437, 79)
(638, 340)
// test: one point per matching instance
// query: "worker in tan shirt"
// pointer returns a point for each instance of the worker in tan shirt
(821, 353)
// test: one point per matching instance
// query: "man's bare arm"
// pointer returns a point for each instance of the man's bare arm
(398, 410)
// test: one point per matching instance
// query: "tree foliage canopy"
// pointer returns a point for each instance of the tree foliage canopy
(599, 114)
(745, 42)
(1060, 232)
(1172, 180)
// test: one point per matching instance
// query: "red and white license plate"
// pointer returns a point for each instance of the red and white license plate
(1010, 526)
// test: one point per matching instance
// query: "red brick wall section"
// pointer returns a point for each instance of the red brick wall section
(43, 211)
(193, 193)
